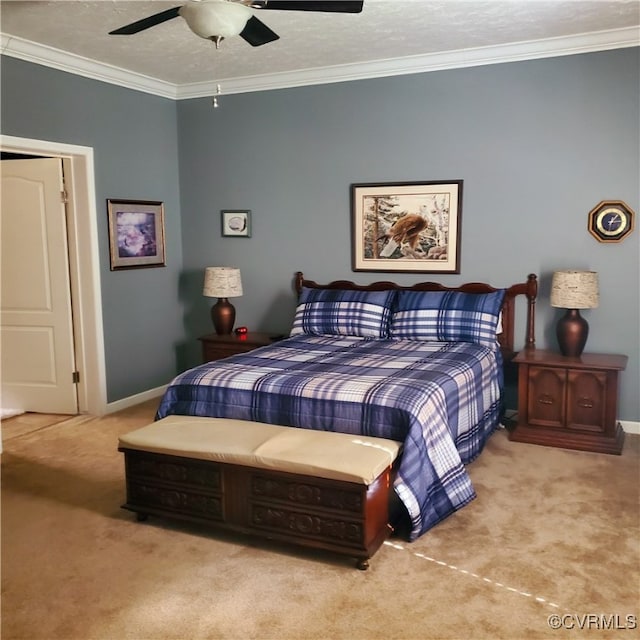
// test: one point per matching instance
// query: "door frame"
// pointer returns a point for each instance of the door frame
(84, 264)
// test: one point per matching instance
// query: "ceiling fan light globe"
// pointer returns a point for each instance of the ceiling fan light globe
(211, 18)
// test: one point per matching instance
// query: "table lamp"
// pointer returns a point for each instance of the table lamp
(573, 290)
(222, 283)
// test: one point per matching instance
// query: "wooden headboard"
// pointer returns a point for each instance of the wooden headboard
(529, 288)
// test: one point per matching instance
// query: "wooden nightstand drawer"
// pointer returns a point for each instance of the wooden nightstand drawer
(587, 392)
(215, 347)
(569, 402)
(546, 397)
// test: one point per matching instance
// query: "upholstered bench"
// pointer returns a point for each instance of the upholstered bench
(319, 489)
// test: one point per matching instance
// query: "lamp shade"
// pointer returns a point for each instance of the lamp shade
(575, 290)
(222, 282)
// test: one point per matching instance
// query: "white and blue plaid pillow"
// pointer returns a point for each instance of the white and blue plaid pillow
(343, 312)
(447, 316)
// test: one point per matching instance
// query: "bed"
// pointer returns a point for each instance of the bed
(421, 364)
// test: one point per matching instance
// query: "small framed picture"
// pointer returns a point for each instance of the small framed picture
(136, 234)
(236, 223)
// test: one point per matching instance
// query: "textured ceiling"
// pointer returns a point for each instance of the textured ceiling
(385, 30)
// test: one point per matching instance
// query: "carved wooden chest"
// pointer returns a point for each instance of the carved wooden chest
(343, 517)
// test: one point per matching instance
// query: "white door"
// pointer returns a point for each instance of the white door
(36, 326)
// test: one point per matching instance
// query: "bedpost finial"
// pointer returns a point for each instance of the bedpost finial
(532, 285)
(532, 292)
(298, 282)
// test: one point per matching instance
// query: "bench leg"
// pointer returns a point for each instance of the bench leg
(362, 564)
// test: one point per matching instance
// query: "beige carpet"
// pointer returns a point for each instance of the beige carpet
(552, 532)
(28, 422)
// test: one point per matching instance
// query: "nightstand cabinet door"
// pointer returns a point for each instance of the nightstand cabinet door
(586, 407)
(569, 402)
(546, 396)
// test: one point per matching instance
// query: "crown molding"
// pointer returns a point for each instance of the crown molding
(530, 50)
(71, 63)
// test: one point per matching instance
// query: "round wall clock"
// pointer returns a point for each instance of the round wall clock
(611, 221)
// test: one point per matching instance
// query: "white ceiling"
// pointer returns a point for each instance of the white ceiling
(389, 37)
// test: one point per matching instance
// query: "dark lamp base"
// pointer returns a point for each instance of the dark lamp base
(572, 332)
(223, 315)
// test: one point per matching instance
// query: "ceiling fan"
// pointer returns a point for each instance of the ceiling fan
(218, 19)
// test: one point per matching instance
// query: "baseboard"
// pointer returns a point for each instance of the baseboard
(132, 401)
(10, 413)
(630, 426)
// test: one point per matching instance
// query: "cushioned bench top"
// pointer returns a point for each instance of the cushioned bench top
(325, 454)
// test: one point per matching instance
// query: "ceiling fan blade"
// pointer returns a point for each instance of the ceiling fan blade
(257, 33)
(146, 23)
(335, 6)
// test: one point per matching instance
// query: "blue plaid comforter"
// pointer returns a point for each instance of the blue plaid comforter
(442, 400)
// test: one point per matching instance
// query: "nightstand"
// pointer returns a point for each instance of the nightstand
(215, 347)
(569, 402)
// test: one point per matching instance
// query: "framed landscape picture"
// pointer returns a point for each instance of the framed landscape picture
(136, 234)
(406, 226)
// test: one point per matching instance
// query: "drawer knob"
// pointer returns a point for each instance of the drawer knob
(585, 403)
(545, 399)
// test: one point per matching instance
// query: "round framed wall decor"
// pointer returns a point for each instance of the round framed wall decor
(611, 221)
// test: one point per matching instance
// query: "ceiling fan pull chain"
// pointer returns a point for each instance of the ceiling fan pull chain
(214, 102)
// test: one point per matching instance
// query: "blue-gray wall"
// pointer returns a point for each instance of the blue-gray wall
(135, 146)
(537, 143)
